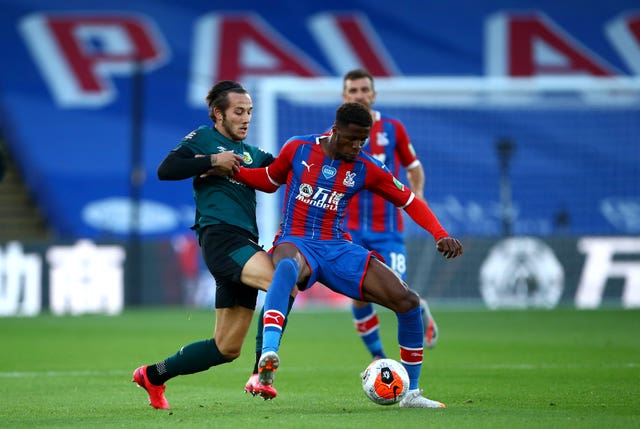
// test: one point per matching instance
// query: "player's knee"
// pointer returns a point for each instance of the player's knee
(359, 304)
(258, 272)
(286, 272)
(414, 299)
(407, 301)
(231, 354)
(289, 265)
(229, 347)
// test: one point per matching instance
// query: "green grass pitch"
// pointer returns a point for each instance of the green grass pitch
(493, 369)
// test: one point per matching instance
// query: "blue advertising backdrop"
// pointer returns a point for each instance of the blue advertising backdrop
(75, 77)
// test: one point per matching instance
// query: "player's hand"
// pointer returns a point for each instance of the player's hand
(449, 247)
(225, 163)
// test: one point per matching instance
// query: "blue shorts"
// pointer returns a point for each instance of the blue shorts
(390, 245)
(338, 264)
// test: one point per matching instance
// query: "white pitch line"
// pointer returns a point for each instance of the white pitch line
(522, 367)
(529, 367)
(28, 374)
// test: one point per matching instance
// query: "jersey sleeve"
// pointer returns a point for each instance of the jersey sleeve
(256, 178)
(181, 164)
(270, 178)
(194, 141)
(383, 183)
(263, 158)
(421, 214)
(380, 181)
(404, 148)
(282, 165)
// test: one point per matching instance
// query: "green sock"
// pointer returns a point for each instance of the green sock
(259, 332)
(192, 358)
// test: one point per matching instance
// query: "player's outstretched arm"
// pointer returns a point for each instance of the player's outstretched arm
(384, 184)
(420, 212)
(257, 178)
(449, 247)
(181, 164)
(269, 179)
(224, 163)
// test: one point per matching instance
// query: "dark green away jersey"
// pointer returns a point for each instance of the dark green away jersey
(222, 199)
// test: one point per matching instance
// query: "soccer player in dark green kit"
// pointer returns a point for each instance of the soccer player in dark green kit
(227, 231)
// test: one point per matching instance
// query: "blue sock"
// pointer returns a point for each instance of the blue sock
(259, 329)
(411, 339)
(276, 303)
(367, 324)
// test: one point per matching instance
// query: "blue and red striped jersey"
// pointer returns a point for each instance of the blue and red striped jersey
(319, 188)
(389, 143)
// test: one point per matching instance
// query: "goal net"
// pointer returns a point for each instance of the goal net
(547, 157)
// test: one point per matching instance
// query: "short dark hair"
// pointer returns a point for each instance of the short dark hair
(357, 74)
(353, 113)
(217, 96)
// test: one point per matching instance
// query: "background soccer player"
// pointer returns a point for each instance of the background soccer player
(322, 173)
(372, 221)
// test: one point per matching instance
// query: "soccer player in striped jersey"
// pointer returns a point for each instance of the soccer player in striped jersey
(323, 173)
(372, 221)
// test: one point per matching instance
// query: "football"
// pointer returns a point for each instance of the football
(385, 381)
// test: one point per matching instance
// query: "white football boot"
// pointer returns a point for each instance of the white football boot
(414, 399)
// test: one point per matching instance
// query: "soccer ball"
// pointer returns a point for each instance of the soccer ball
(385, 381)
